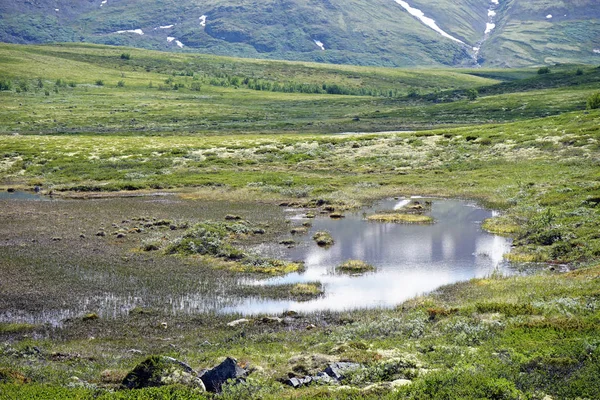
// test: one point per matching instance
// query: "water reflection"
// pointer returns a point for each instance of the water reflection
(20, 195)
(410, 259)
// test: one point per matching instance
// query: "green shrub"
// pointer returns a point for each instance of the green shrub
(5, 84)
(99, 82)
(125, 56)
(121, 84)
(543, 70)
(472, 94)
(593, 102)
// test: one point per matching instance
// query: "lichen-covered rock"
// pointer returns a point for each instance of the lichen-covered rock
(160, 371)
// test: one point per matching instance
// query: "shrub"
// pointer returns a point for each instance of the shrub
(99, 82)
(121, 84)
(543, 70)
(579, 72)
(5, 84)
(472, 94)
(593, 102)
(125, 56)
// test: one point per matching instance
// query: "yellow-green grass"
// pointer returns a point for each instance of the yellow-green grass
(355, 266)
(306, 291)
(399, 218)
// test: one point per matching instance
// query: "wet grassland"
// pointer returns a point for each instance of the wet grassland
(225, 157)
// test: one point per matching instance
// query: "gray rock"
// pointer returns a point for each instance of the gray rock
(216, 377)
(238, 322)
(159, 371)
(323, 379)
(294, 382)
(338, 370)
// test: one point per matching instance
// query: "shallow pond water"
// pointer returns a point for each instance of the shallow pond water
(20, 195)
(54, 266)
(410, 259)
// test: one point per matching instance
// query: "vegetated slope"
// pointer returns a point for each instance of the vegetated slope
(375, 32)
(100, 89)
(364, 32)
(544, 32)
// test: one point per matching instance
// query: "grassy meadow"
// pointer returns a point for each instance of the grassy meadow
(84, 121)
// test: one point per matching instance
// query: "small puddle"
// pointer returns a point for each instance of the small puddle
(20, 195)
(410, 259)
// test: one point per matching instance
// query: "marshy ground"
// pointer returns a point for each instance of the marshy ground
(190, 127)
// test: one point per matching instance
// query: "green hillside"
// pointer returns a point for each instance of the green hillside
(379, 32)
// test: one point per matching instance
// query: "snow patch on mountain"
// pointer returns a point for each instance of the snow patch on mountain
(103, 2)
(171, 39)
(430, 22)
(489, 27)
(136, 31)
(166, 26)
(549, 16)
(202, 20)
(320, 44)
(597, 51)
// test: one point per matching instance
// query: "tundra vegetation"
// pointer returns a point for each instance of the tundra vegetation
(527, 144)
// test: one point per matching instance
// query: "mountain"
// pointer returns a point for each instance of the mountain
(507, 33)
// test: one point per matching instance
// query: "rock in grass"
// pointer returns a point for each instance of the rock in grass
(237, 322)
(323, 238)
(160, 371)
(355, 266)
(216, 377)
(336, 215)
(401, 218)
(339, 370)
(231, 217)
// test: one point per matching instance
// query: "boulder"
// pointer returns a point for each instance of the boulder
(159, 371)
(338, 370)
(298, 382)
(238, 322)
(216, 377)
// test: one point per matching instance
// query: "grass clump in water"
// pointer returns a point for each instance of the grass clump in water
(213, 239)
(323, 239)
(355, 266)
(306, 291)
(401, 218)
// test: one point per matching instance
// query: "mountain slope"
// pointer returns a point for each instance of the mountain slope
(367, 32)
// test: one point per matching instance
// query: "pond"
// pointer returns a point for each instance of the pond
(409, 259)
(55, 266)
(21, 195)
